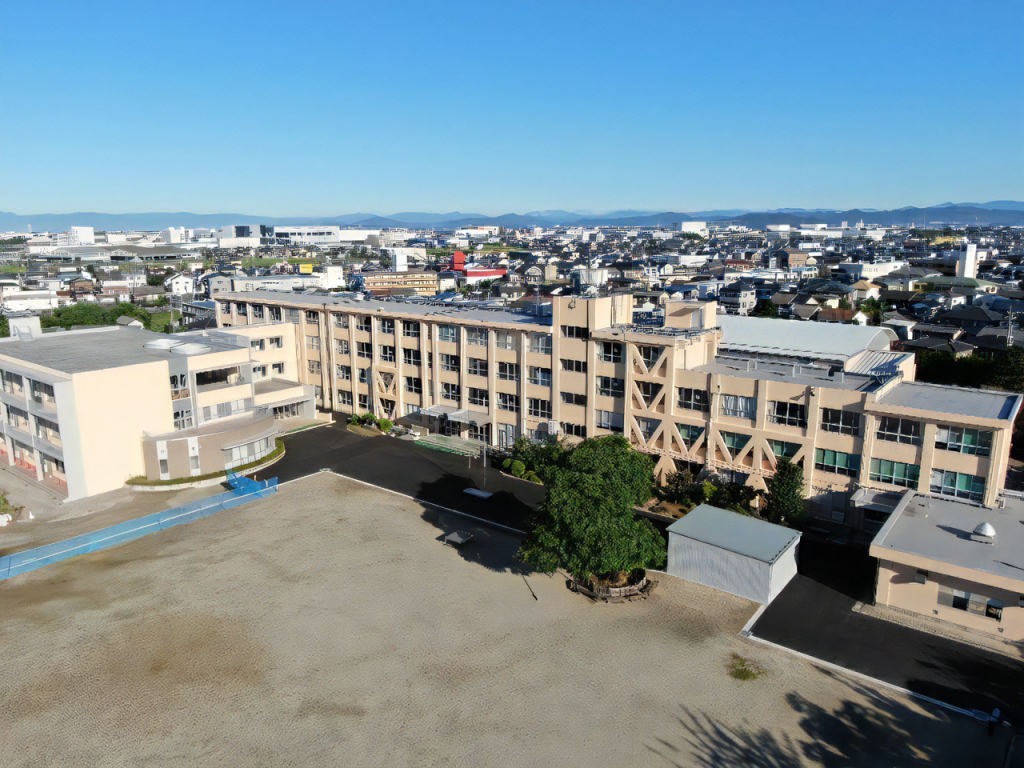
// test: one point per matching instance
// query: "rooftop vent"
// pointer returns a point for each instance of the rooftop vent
(984, 533)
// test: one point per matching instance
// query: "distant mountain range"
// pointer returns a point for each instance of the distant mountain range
(996, 212)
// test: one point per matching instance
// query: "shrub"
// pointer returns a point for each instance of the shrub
(384, 425)
(518, 469)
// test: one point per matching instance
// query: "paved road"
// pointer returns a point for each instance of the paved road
(817, 620)
(403, 466)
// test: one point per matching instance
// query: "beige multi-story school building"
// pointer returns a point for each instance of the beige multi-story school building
(729, 394)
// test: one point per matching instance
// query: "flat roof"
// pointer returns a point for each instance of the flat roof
(747, 536)
(793, 374)
(830, 341)
(103, 347)
(423, 308)
(980, 403)
(940, 529)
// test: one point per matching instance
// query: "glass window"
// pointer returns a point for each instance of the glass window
(504, 340)
(572, 398)
(387, 354)
(610, 352)
(540, 376)
(313, 366)
(690, 433)
(791, 414)
(693, 399)
(450, 391)
(476, 366)
(344, 372)
(476, 336)
(411, 356)
(649, 354)
(575, 366)
(414, 384)
(447, 333)
(648, 427)
(363, 323)
(313, 342)
(608, 420)
(575, 430)
(649, 389)
(575, 332)
(449, 362)
(341, 345)
(895, 473)
(507, 402)
(949, 483)
(976, 442)
(364, 375)
(341, 321)
(387, 325)
(843, 422)
(411, 329)
(539, 408)
(739, 407)
(610, 387)
(734, 441)
(508, 371)
(364, 349)
(478, 397)
(784, 450)
(540, 343)
(897, 430)
(345, 398)
(836, 462)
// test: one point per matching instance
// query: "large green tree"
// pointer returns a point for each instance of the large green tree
(586, 523)
(87, 313)
(785, 494)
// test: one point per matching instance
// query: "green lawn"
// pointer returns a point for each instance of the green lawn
(11, 269)
(159, 319)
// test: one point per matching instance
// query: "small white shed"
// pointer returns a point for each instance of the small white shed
(731, 552)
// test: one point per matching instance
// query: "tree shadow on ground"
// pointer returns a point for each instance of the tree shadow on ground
(873, 730)
(492, 547)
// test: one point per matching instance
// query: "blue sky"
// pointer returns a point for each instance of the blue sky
(305, 108)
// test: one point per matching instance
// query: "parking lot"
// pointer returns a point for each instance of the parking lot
(327, 625)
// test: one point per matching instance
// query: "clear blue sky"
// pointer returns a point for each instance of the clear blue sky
(305, 108)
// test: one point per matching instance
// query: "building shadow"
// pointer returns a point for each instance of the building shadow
(871, 730)
(972, 678)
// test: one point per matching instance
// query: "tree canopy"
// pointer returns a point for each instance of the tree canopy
(93, 314)
(586, 523)
(785, 494)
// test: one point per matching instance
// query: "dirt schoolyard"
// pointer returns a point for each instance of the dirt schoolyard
(327, 625)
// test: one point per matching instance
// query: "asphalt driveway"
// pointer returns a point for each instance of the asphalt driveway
(402, 466)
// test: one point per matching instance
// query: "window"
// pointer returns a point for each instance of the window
(294, 316)
(345, 398)
(447, 333)
(571, 398)
(277, 367)
(277, 342)
(313, 342)
(610, 352)
(610, 387)
(240, 309)
(971, 602)
(539, 408)
(312, 317)
(608, 420)
(921, 577)
(476, 336)
(246, 454)
(411, 410)
(341, 321)
(739, 407)
(540, 343)
(258, 344)
(843, 422)
(341, 346)
(507, 402)
(949, 483)
(259, 372)
(504, 340)
(508, 371)
(364, 402)
(313, 366)
(164, 470)
(476, 367)
(690, 433)
(894, 473)
(836, 462)
(387, 325)
(734, 441)
(575, 332)
(364, 349)
(575, 430)
(414, 384)
(194, 465)
(344, 372)
(449, 362)
(410, 329)
(976, 442)
(899, 430)
(648, 427)
(784, 450)
(363, 324)
(693, 399)
(540, 376)
(574, 366)
(478, 397)
(649, 390)
(318, 392)
(450, 391)
(275, 313)
(411, 356)
(387, 354)
(791, 414)
(648, 354)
